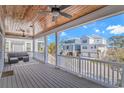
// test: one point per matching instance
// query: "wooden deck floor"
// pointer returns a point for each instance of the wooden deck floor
(38, 75)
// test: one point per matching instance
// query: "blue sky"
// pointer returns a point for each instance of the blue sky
(106, 28)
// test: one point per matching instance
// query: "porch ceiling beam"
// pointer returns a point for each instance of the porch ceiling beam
(102, 13)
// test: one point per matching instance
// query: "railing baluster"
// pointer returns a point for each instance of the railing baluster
(104, 72)
(90, 69)
(100, 71)
(93, 69)
(97, 70)
(66, 62)
(81, 66)
(118, 76)
(87, 68)
(73, 65)
(108, 73)
(77, 64)
(70, 64)
(112, 77)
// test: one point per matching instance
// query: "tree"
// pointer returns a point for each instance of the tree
(116, 41)
(117, 48)
(51, 48)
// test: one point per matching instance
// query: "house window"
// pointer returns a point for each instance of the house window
(97, 41)
(7, 47)
(84, 41)
(91, 47)
(29, 47)
(77, 47)
(40, 48)
(84, 47)
(95, 47)
(67, 47)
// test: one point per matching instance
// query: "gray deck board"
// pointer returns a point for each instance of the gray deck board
(50, 79)
(36, 75)
(42, 79)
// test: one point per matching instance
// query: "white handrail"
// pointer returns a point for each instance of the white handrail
(108, 62)
(106, 73)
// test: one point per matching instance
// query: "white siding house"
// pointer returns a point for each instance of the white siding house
(87, 46)
(93, 46)
(71, 47)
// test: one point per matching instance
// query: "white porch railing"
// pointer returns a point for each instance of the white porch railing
(109, 74)
(51, 59)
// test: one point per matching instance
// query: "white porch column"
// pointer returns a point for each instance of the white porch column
(45, 50)
(33, 41)
(33, 48)
(57, 47)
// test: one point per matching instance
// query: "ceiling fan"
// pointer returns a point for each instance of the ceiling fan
(23, 32)
(56, 11)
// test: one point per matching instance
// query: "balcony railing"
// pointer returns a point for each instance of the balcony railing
(109, 74)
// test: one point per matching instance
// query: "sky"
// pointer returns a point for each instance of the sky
(112, 26)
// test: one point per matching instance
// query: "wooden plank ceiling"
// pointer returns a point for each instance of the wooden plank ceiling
(16, 17)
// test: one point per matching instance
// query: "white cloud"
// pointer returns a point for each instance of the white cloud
(63, 34)
(85, 26)
(97, 30)
(116, 29)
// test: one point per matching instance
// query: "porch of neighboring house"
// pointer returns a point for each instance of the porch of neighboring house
(45, 71)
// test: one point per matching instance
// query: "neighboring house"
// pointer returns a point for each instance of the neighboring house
(93, 46)
(87, 46)
(71, 47)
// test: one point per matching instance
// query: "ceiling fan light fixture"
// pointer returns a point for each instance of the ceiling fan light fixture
(55, 13)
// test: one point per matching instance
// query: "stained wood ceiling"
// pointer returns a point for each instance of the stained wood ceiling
(17, 17)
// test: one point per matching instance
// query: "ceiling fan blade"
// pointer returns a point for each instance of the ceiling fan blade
(65, 15)
(54, 18)
(63, 7)
(53, 6)
(43, 12)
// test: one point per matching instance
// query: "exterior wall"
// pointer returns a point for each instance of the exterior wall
(1, 53)
(12, 41)
(95, 46)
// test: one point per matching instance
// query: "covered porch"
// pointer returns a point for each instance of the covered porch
(60, 71)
